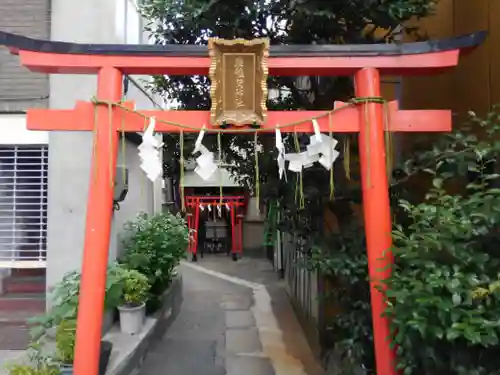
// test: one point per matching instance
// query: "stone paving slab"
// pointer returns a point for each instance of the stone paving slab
(243, 340)
(247, 365)
(178, 356)
(232, 302)
(239, 319)
(258, 270)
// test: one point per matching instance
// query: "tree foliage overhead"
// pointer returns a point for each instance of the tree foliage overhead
(283, 22)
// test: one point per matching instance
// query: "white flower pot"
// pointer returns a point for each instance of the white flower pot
(132, 318)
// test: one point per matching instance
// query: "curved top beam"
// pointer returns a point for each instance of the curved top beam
(286, 60)
(19, 42)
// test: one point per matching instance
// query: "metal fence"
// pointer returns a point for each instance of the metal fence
(303, 287)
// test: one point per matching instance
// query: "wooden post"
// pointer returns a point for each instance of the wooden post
(376, 209)
(97, 228)
(233, 230)
(196, 229)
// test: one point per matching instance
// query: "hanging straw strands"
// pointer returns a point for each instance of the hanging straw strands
(219, 146)
(389, 143)
(347, 156)
(299, 195)
(181, 167)
(332, 183)
(351, 103)
(299, 184)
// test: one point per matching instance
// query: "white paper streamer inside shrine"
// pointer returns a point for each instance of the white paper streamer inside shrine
(219, 208)
(149, 152)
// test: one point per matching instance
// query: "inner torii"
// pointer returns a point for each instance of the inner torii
(195, 204)
(110, 62)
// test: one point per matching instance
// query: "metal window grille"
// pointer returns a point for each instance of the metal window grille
(23, 206)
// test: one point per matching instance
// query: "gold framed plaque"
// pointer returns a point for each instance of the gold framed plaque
(238, 75)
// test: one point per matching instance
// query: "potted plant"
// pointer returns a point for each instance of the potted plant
(134, 296)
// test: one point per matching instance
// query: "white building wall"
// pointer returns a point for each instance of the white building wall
(18, 134)
(91, 21)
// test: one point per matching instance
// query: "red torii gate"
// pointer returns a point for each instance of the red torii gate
(193, 203)
(111, 62)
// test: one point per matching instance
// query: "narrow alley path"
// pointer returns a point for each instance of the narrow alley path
(230, 325)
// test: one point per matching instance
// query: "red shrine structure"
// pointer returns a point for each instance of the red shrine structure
(366, 63)
(233, 205)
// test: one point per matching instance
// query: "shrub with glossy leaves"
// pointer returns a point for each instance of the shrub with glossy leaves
(443, 302)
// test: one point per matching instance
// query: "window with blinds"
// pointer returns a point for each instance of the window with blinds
(23, 206)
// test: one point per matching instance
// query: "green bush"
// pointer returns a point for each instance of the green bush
(64, 300)
(154, 245)
(443, 295)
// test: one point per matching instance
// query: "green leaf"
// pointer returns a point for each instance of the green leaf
(437, 183)
(452, 334)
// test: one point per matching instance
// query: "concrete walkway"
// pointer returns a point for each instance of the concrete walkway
(235, 320)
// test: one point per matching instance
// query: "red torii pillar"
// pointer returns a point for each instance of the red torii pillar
(112, 63)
